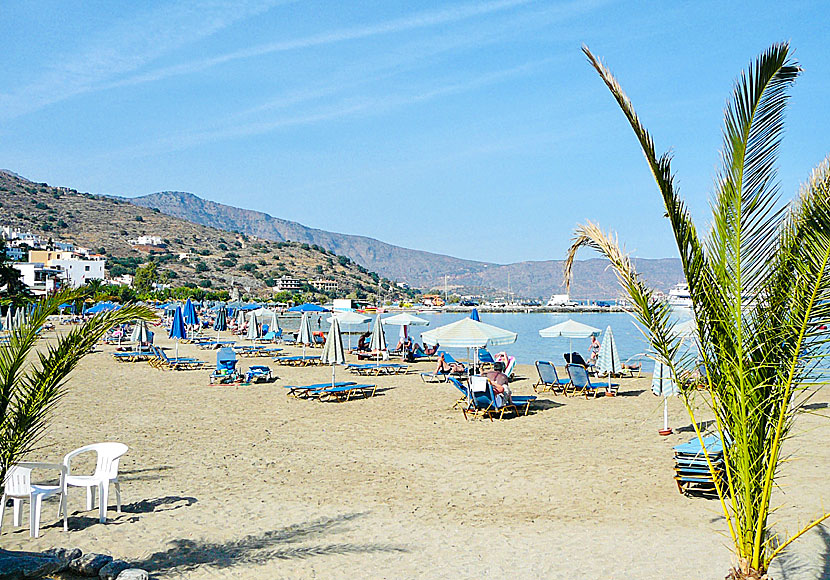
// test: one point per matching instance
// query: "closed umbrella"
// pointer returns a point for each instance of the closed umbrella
(221, 322)
(349, 318)
(569, 329)
(254, 329)
(333, 350)
(664, 385)
(474, 315)
(141, 333)
(608, 360)
(240, 319)
(178, 330)
(274, 326)
(304, 336)
(9, 321)
(377, 342)
(190, 316)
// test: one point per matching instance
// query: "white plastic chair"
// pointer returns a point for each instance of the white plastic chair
(19, 487)
(106, 473)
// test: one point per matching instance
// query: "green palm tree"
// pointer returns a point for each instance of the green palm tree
(32, 380)
(760, 286)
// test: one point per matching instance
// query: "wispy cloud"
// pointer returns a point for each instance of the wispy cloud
(345, 108)
(406, 23)
(125, 47)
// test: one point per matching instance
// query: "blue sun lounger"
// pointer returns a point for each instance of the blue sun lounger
(548, 379)
(377, 369)
(581, 382)
(303, 391)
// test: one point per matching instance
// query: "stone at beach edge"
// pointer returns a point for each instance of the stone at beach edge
(14, 565)
(134, 574)
(90, 564)
(113, 569)
(65, 554)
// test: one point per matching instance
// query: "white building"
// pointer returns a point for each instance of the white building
(76, 270)
(40, 279)
(288, 284)
(147, 241)
(123, 280)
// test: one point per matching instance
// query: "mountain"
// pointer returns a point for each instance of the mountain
(592, 278)
(213, 258)
(414, 267)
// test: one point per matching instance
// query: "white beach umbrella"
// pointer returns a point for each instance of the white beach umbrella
(141, 333)
(9, 323)
(468, 333)
(240, 318)
(664, 385)
(305, 336)
(349, 318)
(608, 360)
(274, 324)
(405, 320)
(333, 353)
(377, 342)
(569, 329)
(254, 329)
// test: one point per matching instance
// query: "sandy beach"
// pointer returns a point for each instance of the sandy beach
(244, 482)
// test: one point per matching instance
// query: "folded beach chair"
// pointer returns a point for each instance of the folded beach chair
(691, 469)
(581, 382)
(226, 371)
(548, 379)
(258, 374)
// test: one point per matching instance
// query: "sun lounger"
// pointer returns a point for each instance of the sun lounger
(548, 379)
(257, 374)
(435, 377)
(581, 382)
(177, 364)
(344, 393)
(691, 470)
(297, 361)
(133, 355)
(304, 391)
(377, 369)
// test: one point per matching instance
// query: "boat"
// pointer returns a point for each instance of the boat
(679, 296)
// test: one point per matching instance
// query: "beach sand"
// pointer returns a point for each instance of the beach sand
(244, 482)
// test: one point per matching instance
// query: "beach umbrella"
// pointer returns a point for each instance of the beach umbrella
(274, 326)
(467, 333)
(569, 329)
(474, 315)
(308, 308)
(141, 333)
(221, 322)
(349, 318)
(8, 323)
(664, 385)
(405, 320)
(304, 336)
(103, 307)
(377, 342)
(333, 350)
(178, 329)
(608, 360)
(240, 318)
(254, 329)
(189, 312)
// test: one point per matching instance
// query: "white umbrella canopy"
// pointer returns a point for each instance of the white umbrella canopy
(377, 342)
(254, 329)
(141, 333)
(406, 319)
(349, 318)
(304, 336)
(274, 325)
(333, 353)
(468, 333)
(569, 329)
(9, 321)
(240, 318)
(608, 360)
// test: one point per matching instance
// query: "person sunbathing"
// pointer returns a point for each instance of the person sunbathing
(446, 368)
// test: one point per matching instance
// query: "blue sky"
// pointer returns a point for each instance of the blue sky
(475, 129)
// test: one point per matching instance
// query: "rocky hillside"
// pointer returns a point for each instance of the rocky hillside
(593, 278)
(215, 258)
(414, 267)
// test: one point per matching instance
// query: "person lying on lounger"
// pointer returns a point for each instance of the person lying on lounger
(445, 368)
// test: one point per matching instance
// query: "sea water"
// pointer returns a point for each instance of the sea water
(529, 347)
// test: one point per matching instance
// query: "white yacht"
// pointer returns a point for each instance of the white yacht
(679, 296)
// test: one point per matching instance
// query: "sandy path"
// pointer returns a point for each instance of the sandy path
(243, 482)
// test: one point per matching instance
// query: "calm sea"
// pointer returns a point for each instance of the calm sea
(530, 346)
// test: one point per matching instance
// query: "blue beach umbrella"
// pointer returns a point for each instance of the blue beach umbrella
(102, 307)
(221, 322)
(178, 330)
(308, 308)
(474, 315)
(190, 316)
